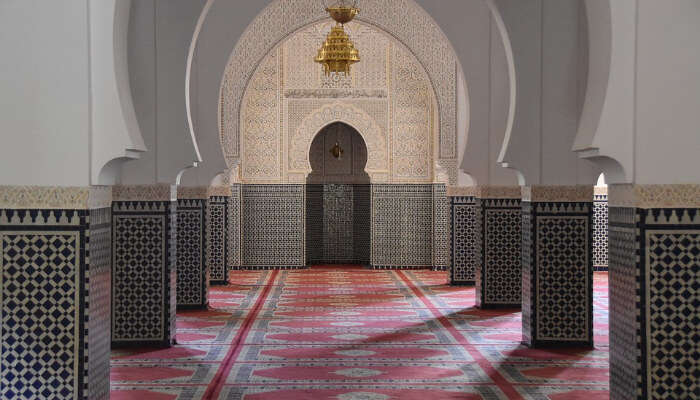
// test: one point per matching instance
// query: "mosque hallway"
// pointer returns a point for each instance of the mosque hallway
(348, 333)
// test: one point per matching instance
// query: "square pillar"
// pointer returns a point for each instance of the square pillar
(499, 272)
(441, 228)
(654, 291)
(144, 265)
(192, 272)
(217, 217)
(557, 266)
(465, 235)
(55, 245)
(233, 223)
(600, 229)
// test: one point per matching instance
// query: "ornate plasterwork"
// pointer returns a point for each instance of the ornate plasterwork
(542, 193)
(461, 191)
(157, 192)
(600, 190)
(412, 27)
(485, 192)
(221, 191)
(54, 197)
(260, 126)
(389, 92)
(411, 142)
(194, 192)
(335, 93)
(498, 192)
(654, 196)
(371, 132)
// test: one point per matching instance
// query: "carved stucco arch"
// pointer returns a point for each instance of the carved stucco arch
(363, 123)
(413, 27)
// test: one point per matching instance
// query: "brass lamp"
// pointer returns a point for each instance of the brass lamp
(338, 52)
(337, 151)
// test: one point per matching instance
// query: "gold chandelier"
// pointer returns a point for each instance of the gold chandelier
(338, 52)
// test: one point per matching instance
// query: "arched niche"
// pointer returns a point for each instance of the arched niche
(412, 27)
(360, 121)
(348, 167)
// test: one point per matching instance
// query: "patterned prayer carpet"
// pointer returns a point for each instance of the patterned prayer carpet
(346, 333)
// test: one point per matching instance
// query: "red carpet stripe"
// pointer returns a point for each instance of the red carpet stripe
(214, 388)
(497, 378)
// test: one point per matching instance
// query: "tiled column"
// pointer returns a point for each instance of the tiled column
(192, 272)
(217, 234)
(233, 223)
(600, 229)
(441, 228)
(654, 291)
(54, 292)
(499, 272)
(144, 265)
(465, 235)
(558, 265)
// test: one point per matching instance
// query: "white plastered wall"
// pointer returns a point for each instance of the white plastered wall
(641, 117)
(64, 112)
(160, 33)
(550, 59)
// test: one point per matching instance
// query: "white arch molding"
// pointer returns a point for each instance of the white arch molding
(375, 140)
(412, 27)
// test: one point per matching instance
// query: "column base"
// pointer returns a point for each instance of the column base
(192, 272)
(465, 233)
(654, 274)
(157, 344)
(499, 273)
(189, 307)
(144, 264)
(558, 266)
(545, 344)
(55, 245)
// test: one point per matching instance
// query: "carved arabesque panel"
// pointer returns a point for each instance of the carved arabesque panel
(412, 27)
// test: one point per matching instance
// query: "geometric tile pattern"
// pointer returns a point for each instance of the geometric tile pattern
(192, 273)
(673, 257)
(98, 258)
(216, 245)
(654, 302)
(344, 333)
(314, 224)
(558, 255)
(273, 226)
(465, 240)
(625, 305)
(233, 223)
(337, 224)
(41, 277)
(143, 268)
(528, 263)
(562, 278)
(402, 226)
(600, 232)
(441, 228)
(362, 223)
(499, 275)
(54, 303)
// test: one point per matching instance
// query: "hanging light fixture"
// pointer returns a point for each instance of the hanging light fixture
(336, 150)
(338, 52)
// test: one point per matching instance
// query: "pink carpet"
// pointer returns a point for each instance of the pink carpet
(345, 333)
